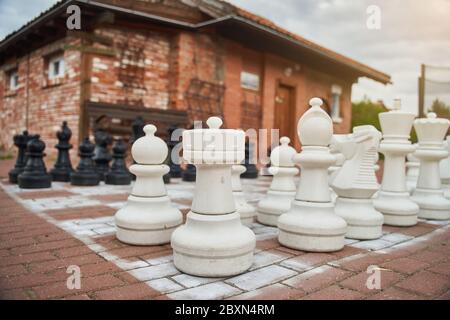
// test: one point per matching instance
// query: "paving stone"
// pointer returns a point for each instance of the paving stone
(189, 281)
(395, 294)
(210, 291)
(442, 268)
(405, 265)
(275, 291)
(317, 278)
(265, 258)
(261, 277)
(334, 293)
(154, 272)
(359, 282)
(164, 285)
(307, 261)
(373, 245)
(425, 282)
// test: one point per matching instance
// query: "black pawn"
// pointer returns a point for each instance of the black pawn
(189, 174)
(34, 175)
(119, 174)
(175, 169)
(63, 166)
(102, 157)
(252, 171)
(20, 141)
(85, 174)
(137, 128)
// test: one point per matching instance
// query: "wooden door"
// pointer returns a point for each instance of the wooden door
(285, 112)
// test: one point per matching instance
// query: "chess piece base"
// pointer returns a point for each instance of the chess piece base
(60, 175)
(363, 221)
(147, 221)
(432, 203)
(312, 226)
(397, 208)
(246, 211)
(122, 179)
(14, 175)
(275, 204)
(84, 179)
(188, 177)
(213, 245)
(34, 181)
(251, 173)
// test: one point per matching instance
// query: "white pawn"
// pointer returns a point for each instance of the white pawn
(356, 183)
(412, 171)
(148, 217)
(393, 199)
(245, 210)
(311, 223)
(428, 193)
(213, 242)
(445, 170)
(282, 189)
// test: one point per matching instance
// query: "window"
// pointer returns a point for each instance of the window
(13, 79)
(336, 92)
(56, 67)
(249, 81)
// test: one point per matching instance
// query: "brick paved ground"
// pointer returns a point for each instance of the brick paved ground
(44, 232)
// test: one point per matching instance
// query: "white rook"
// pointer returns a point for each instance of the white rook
(311, 223)
(213, 242)
(428, 193)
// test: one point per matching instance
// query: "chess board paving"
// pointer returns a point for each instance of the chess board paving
(43, 232)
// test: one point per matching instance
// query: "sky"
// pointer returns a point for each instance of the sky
(411, 32)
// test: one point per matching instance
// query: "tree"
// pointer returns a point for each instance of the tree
(440, 108)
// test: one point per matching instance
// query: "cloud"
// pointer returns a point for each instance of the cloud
(412, 32)
(15, 13)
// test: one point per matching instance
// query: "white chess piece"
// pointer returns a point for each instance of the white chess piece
(428, 193)
(356, 183)
(148, 217)
(311, 223)
(213, 242)
(340, 159)
(246, 211)
(412, 171)
(393, 199)
(282, 189)
(445, 170)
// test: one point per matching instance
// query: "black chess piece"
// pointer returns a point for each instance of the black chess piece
(102, 156)
(252, 171)
(34, 175)
(189, 174)
(119, 174)
(175, 169)
(63, 166)
(86, 173)
(20, 141)
(137, 128)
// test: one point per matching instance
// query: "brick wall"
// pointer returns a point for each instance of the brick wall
(49, 102)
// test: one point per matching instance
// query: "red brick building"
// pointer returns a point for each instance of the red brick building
(171, 61)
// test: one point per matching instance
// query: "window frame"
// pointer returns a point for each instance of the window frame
(59, 58)
(250, 87)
